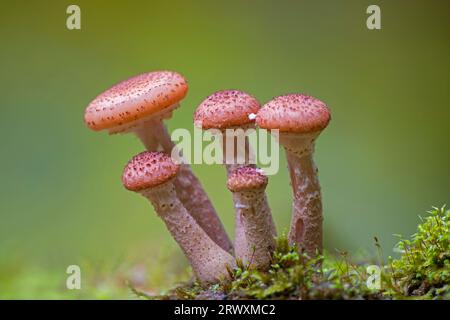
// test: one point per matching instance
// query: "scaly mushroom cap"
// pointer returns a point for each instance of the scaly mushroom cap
(148, 170)
(225, 109)
(246, 179)
(134, 99)
(296, 113)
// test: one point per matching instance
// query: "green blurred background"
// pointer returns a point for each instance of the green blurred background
(383, 160)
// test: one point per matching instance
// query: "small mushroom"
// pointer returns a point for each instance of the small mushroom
(248, 186)
(139, 105)
(231, 109)
(300, 119)
(152, 174)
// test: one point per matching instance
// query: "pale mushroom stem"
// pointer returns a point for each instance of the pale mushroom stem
(148, 139)
(255, 216)
(208, 260)
(306, 223)
(155, 136)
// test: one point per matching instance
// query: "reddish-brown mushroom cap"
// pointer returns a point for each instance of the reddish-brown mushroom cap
(134, 99)
(246, 178)
(296, 113)
(225, 109)
(148, 170)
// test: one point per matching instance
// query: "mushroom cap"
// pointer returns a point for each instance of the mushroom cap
(247, 179)
(226, 109)
(296, 113)
(134, 99)
(148, 170)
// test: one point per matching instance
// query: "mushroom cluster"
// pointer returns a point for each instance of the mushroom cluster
(140, 105)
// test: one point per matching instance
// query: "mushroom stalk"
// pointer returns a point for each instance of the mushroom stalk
(254, 215)
(208, 260)
(306, 223)
(248, 186)
(154, 136)
(245, 155)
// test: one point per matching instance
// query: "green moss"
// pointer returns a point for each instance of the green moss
(422, 271)
(291, 276)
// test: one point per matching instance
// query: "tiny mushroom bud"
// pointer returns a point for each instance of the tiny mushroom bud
(300, 119)
(230, 112)
(151, 174)
(248, 185)
(139, 105)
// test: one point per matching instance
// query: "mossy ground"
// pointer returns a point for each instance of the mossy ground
(421, 272)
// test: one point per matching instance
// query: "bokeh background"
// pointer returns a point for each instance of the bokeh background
(383, 160)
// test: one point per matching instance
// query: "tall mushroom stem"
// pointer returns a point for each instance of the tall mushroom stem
(207, 259)
(155, 136)
(306, 223)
